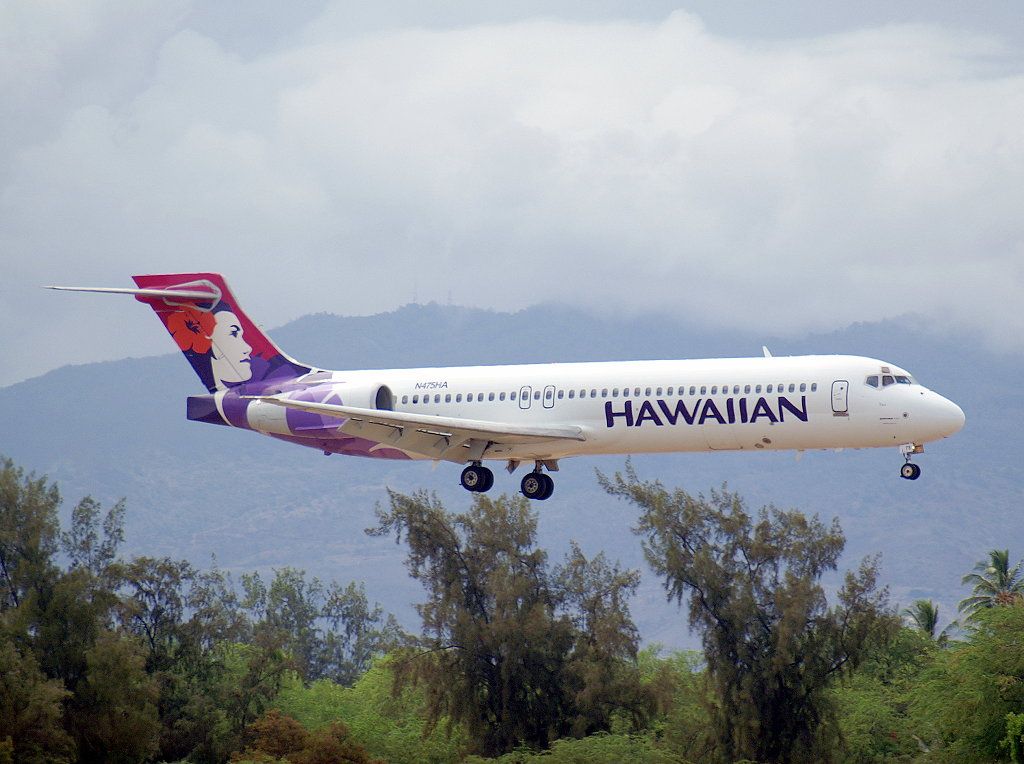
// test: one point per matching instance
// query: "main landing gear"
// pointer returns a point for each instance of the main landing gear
(537, 485)
(910, 471)
(477, 478)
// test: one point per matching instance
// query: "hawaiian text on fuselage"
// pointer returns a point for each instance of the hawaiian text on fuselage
(704, 410)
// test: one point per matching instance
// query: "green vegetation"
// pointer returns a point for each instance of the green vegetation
(519, 660)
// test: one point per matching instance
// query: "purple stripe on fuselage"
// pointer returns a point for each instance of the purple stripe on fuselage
(235, 411)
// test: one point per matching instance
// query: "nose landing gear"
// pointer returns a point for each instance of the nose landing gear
(477, 478)
(910, 471)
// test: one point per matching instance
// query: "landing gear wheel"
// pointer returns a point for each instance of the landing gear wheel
(910, 471)
(537, 485)
(488, 483)
(476, 478)
(549, 487)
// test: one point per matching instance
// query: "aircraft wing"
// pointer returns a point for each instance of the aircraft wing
(437, 437)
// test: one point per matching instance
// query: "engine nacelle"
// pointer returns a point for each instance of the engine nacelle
(361, 395)
(271, 418)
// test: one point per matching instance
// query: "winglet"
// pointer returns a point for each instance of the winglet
(766, 351)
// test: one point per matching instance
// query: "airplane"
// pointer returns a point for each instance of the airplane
(536, 413)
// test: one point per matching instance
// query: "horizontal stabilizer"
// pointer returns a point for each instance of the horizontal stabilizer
(202, 292)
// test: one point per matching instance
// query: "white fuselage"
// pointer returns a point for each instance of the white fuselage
(770, 403)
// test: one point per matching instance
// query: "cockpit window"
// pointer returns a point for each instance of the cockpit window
(872, 381)
(902, 379)
(887, 380)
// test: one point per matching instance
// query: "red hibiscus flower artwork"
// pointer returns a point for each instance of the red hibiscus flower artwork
(192, 329)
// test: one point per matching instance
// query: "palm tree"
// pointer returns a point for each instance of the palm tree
(924, 616)
(994, 582)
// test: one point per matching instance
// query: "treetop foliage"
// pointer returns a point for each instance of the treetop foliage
(511, 649)
(772, 642)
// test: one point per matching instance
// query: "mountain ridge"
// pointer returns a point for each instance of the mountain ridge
(117, 428)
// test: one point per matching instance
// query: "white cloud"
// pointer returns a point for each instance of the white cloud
(793, 184)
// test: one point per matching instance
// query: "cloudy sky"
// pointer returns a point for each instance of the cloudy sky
(784, 167)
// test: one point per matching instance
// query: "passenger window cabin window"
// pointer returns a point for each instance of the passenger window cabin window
(803, 387)
(792, 387)
(561, 394)
(814, 387)
(735, 389)
(415, 399)
(757, 389)
(536, 395)
(693, 389)
(647, 392)
(458, 398)
(746, 389)
(768, 389)
(512, 396)
(615, 392)
(572, 394)
(714, 389)
(669, 392)
(593, 392)
(703, 390)
(887, 380)
(437, 397)
(604, 393)
(501, 396)
(490, 396)
(549, 394)
(448, 398)
(658, 392)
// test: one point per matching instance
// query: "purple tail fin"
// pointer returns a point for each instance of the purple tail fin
(224, 346)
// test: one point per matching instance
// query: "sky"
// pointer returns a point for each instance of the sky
(784, 167)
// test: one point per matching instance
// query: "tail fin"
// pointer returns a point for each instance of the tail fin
(224, 346)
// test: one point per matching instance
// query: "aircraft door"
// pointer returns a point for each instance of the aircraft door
(549, 397)
(840, 392)
(525, 397)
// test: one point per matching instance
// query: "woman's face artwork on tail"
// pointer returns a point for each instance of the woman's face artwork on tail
(230, 354)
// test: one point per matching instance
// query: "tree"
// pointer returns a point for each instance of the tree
(329, 631)
(965, 698)
(82, 543)
(117, 719)
(30, 711)
(29, 531)
(924, 616)
(772, 643)
(493, 652)
(511, 651)
(994, 583)
(153, 606)
(602, 668)
(276, 736)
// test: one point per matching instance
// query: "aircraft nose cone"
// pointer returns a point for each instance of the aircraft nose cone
(951, 417)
